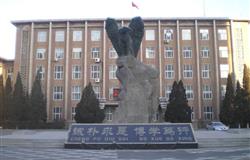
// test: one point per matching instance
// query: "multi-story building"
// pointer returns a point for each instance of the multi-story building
(71, 53)
(6, 68)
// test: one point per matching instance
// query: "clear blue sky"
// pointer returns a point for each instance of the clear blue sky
(64, 9)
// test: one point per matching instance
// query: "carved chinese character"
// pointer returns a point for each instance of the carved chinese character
(154, 131)
(78, 131)
(168, 131)
(139, 131)
(92, 131)
(122, 130)
(107, 131)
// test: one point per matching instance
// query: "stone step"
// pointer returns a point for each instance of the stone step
(223, 142)
(33, 143)
(59, 143)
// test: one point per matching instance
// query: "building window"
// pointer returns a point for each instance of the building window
(112, 53)
(59, 36)
(112, 71)
(95, 35)
(187, 71)
(168, 52)
(76, 72)
(204, 34)
(41, 36)
(186, 34)
(58, 93)
(192, 114)
(108, 113)
(76, 93)
(111, 91)
(59, 53)
(223, 90)
(150, 35)
(97, 91)
(168, 89)
(150, 52)
(169, 71)
(204, 52)
(73, 113)
(222, 34)
(187, 52)
(168, 34)
(208, 113)
(40, 53)
(10, 73)
(205, 71)
(41, 71)
(224, 70)
(189, 92)
(57, 113)
(223, 52)
(207, 92)
(77, 35)
(58, 72)
(95, 53)
(76, 53)
(95, 71)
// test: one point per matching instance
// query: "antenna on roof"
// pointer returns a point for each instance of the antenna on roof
(204, 8)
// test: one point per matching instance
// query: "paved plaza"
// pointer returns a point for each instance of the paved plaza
(14, 153)
(48, 145)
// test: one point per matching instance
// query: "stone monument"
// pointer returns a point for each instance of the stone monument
(138, 104)
(139, 82)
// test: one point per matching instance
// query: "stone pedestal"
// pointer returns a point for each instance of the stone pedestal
(139, 91)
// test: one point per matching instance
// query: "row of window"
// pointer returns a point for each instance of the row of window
(187, 71)
(76, 53)
(187, 52)
(60, 36)
(57, 113)
(185, 33)
(150, 52)
(149, 35)
(206, 92)
(95, 71)
(76, 92)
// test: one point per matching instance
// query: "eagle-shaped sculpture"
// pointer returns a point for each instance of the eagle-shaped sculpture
(125, 40)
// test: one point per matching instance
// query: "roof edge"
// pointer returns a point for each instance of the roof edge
(16, 22)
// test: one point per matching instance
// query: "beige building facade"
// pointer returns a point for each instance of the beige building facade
(71, 53)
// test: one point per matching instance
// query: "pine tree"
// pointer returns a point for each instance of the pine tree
(8, 99)
(2, 106)
(246, 80)
(37, 102)
(246, 95)
(239, 105)
(19, 107)
(88, 110)
(227, 108)
(170, 111)
(178, 110)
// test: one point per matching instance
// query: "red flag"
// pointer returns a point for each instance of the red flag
(134, 5)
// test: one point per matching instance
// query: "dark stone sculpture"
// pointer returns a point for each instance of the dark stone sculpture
(126, 40)
(139, 82)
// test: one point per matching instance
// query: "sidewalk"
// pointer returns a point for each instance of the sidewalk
(230, 138)
(56, 138)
